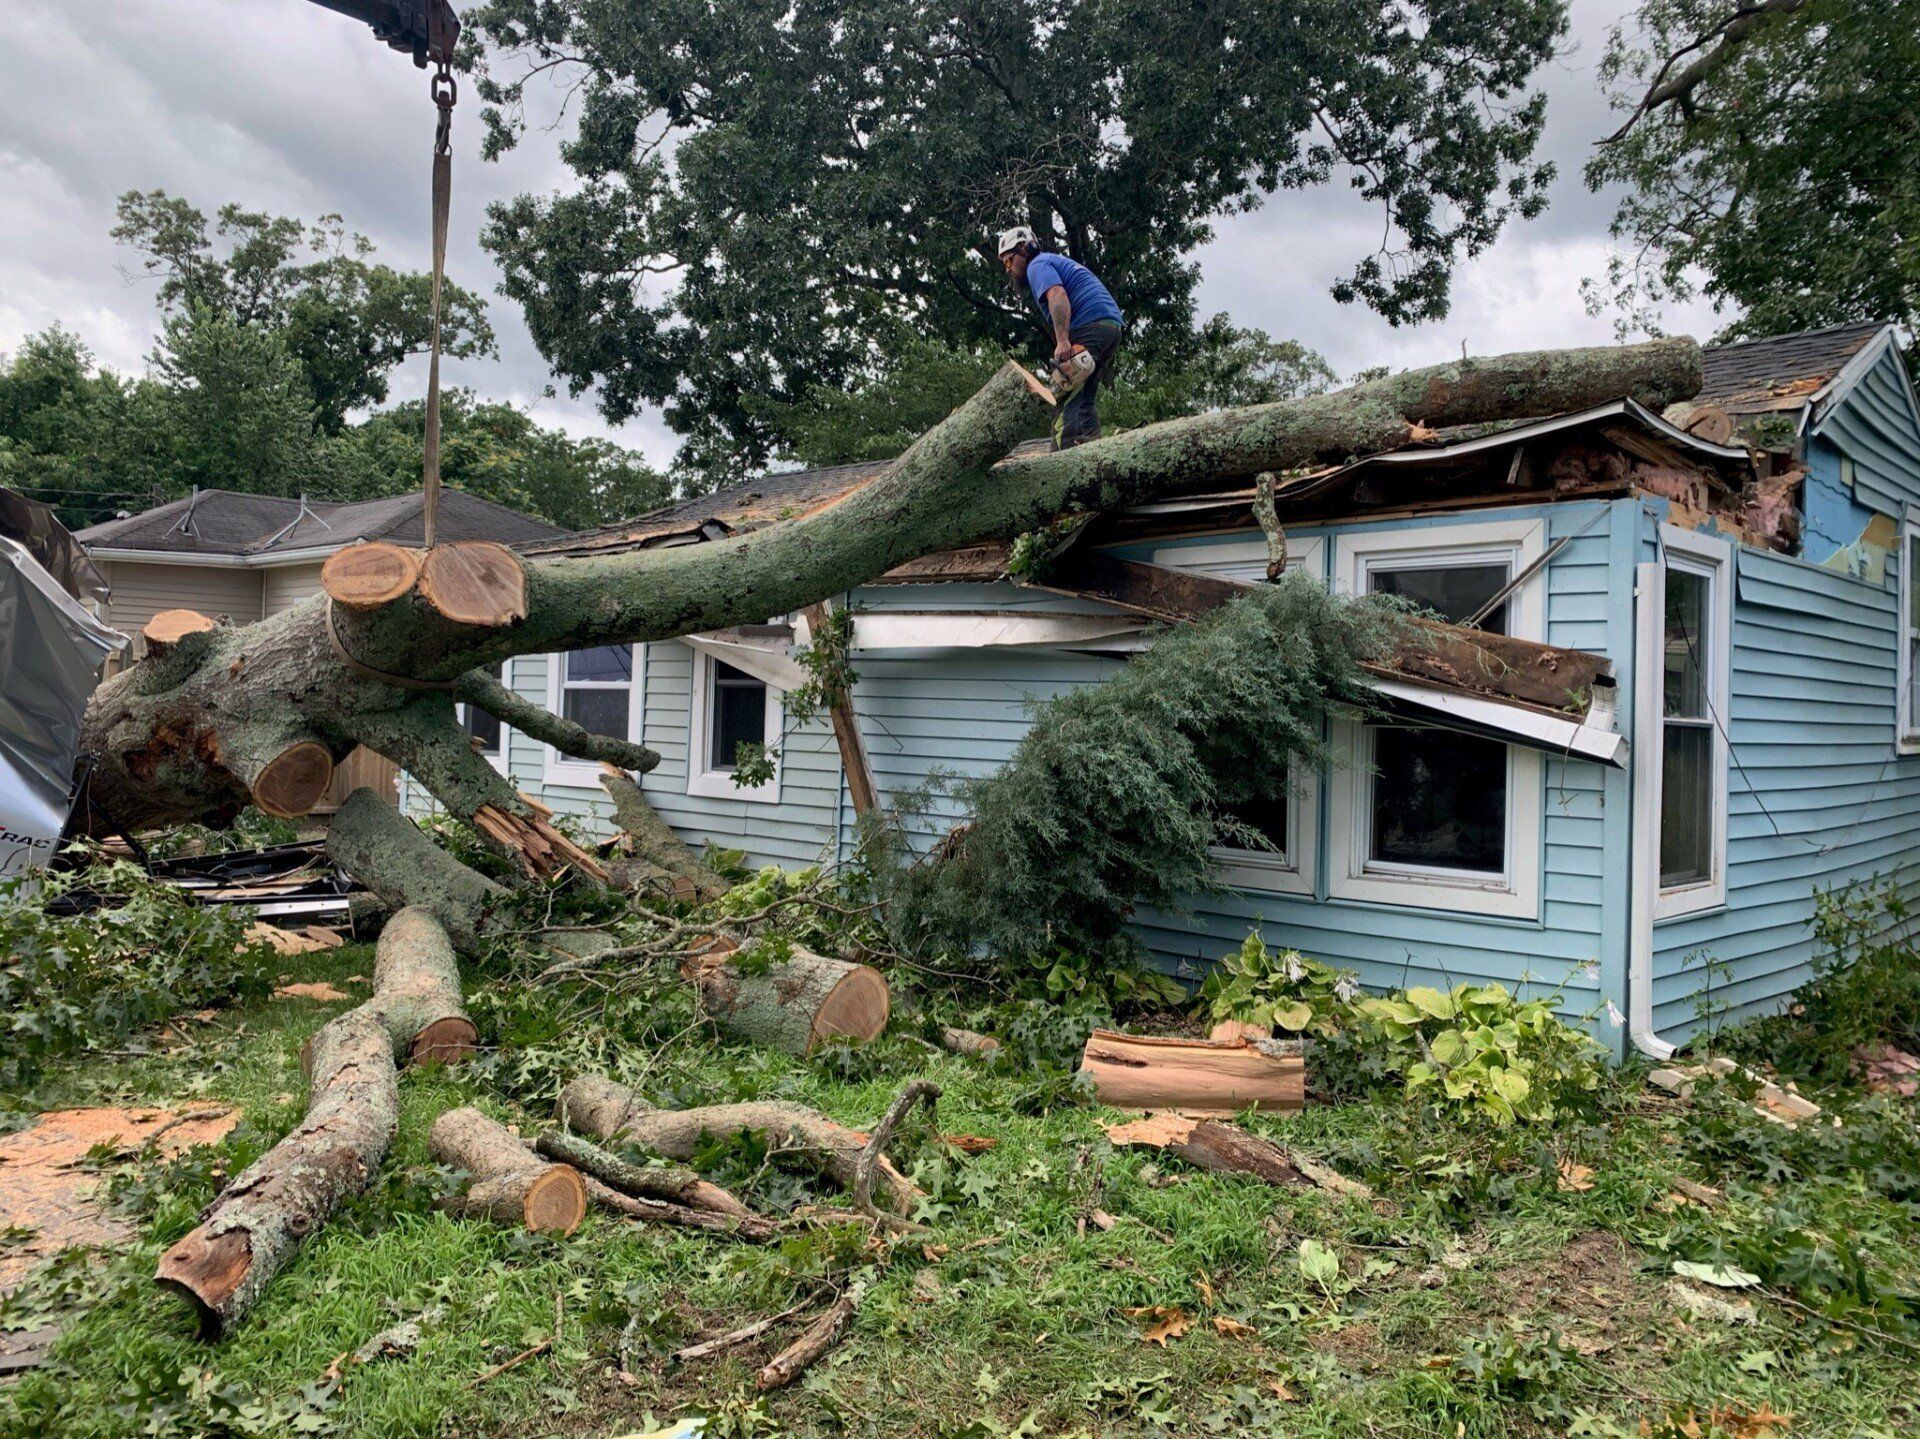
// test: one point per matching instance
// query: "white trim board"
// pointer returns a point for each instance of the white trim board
(565, 770)
(705, 783)
(1694, 553)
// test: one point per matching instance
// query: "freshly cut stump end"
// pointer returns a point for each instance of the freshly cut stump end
(445, 1041)
(365, 577)
(856, 1008)
(207, 1272)
(294, 781)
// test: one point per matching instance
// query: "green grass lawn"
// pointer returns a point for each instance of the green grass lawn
(1474, 1296)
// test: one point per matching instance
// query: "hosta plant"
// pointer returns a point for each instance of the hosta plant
(1281, 988)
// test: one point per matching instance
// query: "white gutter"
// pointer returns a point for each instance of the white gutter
(1643, 853)
(236, 562)
(987, 629)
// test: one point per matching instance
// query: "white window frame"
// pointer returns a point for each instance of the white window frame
(708, 783)
(1906, 734)
(503, 760)
(1295, 869)
(563, 769)
(1698, 554)
(1515, 893)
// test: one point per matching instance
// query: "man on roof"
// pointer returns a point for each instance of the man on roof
(1080, 313)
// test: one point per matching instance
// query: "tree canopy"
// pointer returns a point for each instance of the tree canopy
(768, 197)
(1768, 151)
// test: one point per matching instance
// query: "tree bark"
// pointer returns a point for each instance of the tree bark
(171, 746)
(795, 1005)
(670, 1182)
(1224, 1148)
(353, 1108)
(659, 856)
(386, 852)
(511, 1185)
(602, 1109)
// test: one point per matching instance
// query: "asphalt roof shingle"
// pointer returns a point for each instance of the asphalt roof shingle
(224, 522)
(1781, 367)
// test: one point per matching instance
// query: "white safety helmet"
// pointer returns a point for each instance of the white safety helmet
(1019, 235)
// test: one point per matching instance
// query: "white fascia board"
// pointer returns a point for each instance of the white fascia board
(964, 629)
(1522, 726)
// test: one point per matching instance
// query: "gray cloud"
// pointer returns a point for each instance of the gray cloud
(287, 107)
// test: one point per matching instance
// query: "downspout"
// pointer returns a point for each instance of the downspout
(1649, 628)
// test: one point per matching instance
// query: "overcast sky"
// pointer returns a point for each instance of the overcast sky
(289, 108)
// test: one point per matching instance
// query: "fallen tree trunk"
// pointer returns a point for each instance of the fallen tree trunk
(510, 1184)
(1224, 1148)
(249, 712)
(1195, 1076)
(600, 1108)
(353, 1104)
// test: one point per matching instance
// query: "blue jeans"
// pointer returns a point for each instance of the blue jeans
(1078, 420)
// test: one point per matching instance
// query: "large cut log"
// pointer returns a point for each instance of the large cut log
(604, 1110)
(386, 852)
(418, 983)
(511, 1185)
(1195, 1076)
(337, 676)
(353, 1108)
(796, 1004)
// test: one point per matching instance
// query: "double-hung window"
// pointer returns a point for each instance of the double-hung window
(602, 691)
(1427, 816)
(1290, 822)
(1907, 737)
(1696, 634)
(731, 709)
(490, 735)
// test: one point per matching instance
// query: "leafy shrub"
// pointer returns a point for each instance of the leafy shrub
(1117, 792)
(69, 983)
(1283, 988)
(1865, 990)
(1479, 1048)
(252, 828)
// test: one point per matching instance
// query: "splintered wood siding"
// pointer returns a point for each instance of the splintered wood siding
(1817, 797)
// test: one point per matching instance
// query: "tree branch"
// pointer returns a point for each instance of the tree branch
(1732, 31)
(477, 687)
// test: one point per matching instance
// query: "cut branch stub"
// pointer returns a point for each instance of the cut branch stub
(169, 627)
(285, 772)
(474, 582)
(365, 577)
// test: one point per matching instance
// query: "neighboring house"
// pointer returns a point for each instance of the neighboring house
(240, 558)
(1749, 602)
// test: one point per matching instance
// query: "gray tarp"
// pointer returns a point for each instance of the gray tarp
(51, 651)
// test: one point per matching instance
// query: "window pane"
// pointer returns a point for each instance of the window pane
(1439, 799)
(598, 711)
(1453, 592)
(1686, 645)
(1269, 816)
(1686, 805)
(609, 662)
(1913, 634)
(485, 728)
(739, 715)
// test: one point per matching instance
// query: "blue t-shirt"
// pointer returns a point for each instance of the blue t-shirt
(1089, 298)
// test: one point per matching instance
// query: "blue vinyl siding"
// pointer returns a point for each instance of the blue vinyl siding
(1816, 795)
(1875, 425)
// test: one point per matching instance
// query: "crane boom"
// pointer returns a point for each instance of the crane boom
(426, 29)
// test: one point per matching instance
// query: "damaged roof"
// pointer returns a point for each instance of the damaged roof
(260, 527)
(1781, 372)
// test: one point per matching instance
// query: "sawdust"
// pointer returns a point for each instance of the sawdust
(43, 1186)
(319, 990)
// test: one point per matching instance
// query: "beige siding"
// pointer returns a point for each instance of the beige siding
(288, 585)
(141, 591)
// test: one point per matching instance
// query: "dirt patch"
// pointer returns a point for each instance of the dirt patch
(44, 1186)
(1356, 1346)
(1592, 1287)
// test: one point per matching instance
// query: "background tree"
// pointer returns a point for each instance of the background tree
(1768, 153)
(347, 321)
(770, 198)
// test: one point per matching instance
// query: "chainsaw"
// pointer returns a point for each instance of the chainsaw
(1070, 374)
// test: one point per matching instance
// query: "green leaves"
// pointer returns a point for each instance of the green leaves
(1282, 988)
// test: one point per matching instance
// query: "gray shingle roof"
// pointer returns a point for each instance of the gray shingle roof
(223, 522)
(1781, 370)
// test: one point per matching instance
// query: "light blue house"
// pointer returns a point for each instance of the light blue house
(1660, 850)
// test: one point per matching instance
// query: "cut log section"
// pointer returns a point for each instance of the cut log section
(418, 981)
(511, 1185)
(602, 1109)
(474, 582)
(1195, 1076)
(795, 1005)
(365, 577)
(1224, 1148)
(353, 1106)
(968, 1042)
(289, 782)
